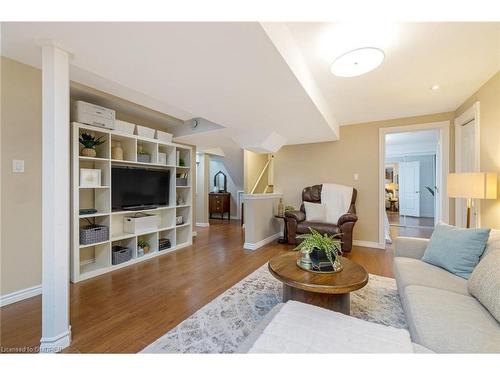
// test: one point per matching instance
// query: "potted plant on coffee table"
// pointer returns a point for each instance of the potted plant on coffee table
(89, 143)
(320, 253)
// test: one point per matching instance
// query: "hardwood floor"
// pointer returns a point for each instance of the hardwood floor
(127, 309)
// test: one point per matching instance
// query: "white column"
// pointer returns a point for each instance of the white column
(56, 331)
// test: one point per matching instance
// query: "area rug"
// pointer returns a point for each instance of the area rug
(224, 323)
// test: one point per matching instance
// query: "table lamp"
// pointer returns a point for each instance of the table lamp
(472, 186)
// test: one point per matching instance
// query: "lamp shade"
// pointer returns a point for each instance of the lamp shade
(472, 185)
(392, 186)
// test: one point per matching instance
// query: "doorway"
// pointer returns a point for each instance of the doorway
(414, 167)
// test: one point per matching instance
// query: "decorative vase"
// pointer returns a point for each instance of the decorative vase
(281, 208)
(146, 249)
(321, 263)
(117, 151)
(89, 152)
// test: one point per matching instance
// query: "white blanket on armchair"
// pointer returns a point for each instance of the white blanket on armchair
(337, 199)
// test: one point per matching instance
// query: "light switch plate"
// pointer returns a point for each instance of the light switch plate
(356, 176)
(18, 166)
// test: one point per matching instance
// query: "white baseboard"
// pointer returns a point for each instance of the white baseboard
(265, 241)
(235, 218)
(203, 225)
(20, 295)
(374, 245)
(55, 344)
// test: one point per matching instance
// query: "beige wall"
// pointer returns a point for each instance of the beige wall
(21, 193)
(489, 98)
(357, 151)
(253, 164)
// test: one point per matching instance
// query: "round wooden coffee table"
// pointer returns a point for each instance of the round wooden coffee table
(328, 290)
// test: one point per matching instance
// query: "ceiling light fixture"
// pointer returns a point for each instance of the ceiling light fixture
(434, 87)
(357, 62)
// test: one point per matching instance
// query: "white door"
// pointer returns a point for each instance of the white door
(409, 188)
(467, 161)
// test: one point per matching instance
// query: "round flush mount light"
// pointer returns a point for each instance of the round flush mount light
(435, 87)
(357, 62)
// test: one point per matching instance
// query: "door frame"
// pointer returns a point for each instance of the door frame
(443, 150)
(471, 114)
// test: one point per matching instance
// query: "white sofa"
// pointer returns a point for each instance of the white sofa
(441, 313)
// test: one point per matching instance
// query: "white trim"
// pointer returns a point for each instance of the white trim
(444, 151)
(203, 225)
(402, 155)
(372, 244)
(261, 196)
(57, 343)
(265, 241)
(20, 295)
(471, 114)
(234, 218)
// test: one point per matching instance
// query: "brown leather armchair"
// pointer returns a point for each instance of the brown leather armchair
(297, 224)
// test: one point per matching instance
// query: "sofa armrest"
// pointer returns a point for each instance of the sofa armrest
(297, 215)
(410, 247)
(347, 218)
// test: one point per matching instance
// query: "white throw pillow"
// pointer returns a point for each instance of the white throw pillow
(315, 211)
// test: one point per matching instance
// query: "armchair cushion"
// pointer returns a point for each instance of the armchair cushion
(296, 215)
(321, 227)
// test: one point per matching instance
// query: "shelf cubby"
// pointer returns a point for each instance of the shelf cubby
(152, 239)
(94, 258)
(102, 165)
(130, 243)
(185, 156)
(170, 234)
(103, 150)
(150, 148)
(128, 145)
(185, 194)
(169, 151)
(99, 199)
(183, 235)
(185, 212)
(167, 218)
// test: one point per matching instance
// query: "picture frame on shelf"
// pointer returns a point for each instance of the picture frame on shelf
(90, 177)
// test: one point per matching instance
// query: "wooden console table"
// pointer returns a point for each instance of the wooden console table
(219, 203)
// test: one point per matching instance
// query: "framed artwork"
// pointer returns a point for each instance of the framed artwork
(90, 177)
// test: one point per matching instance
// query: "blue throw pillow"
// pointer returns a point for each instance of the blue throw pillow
(456, 249)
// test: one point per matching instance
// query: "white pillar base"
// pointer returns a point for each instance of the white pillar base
(55, 344)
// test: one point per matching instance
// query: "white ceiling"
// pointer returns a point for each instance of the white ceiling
(258, 79)
(228, 73)
(459, 57)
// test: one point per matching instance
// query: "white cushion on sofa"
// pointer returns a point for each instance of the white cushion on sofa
(484, 283)
(448, 322)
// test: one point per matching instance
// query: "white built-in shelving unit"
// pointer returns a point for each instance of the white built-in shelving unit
(92, 260)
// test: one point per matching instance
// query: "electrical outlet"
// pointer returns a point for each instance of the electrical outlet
(18, 166)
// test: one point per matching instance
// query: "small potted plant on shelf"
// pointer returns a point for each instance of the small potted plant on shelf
(142, 247)
(319, 253)
(89, 143)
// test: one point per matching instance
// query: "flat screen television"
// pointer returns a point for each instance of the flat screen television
(133, 188)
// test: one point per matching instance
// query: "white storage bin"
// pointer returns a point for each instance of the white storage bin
(143, 131)
(140, 223)
(92, 114)
(124, 127)
(163, 136)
